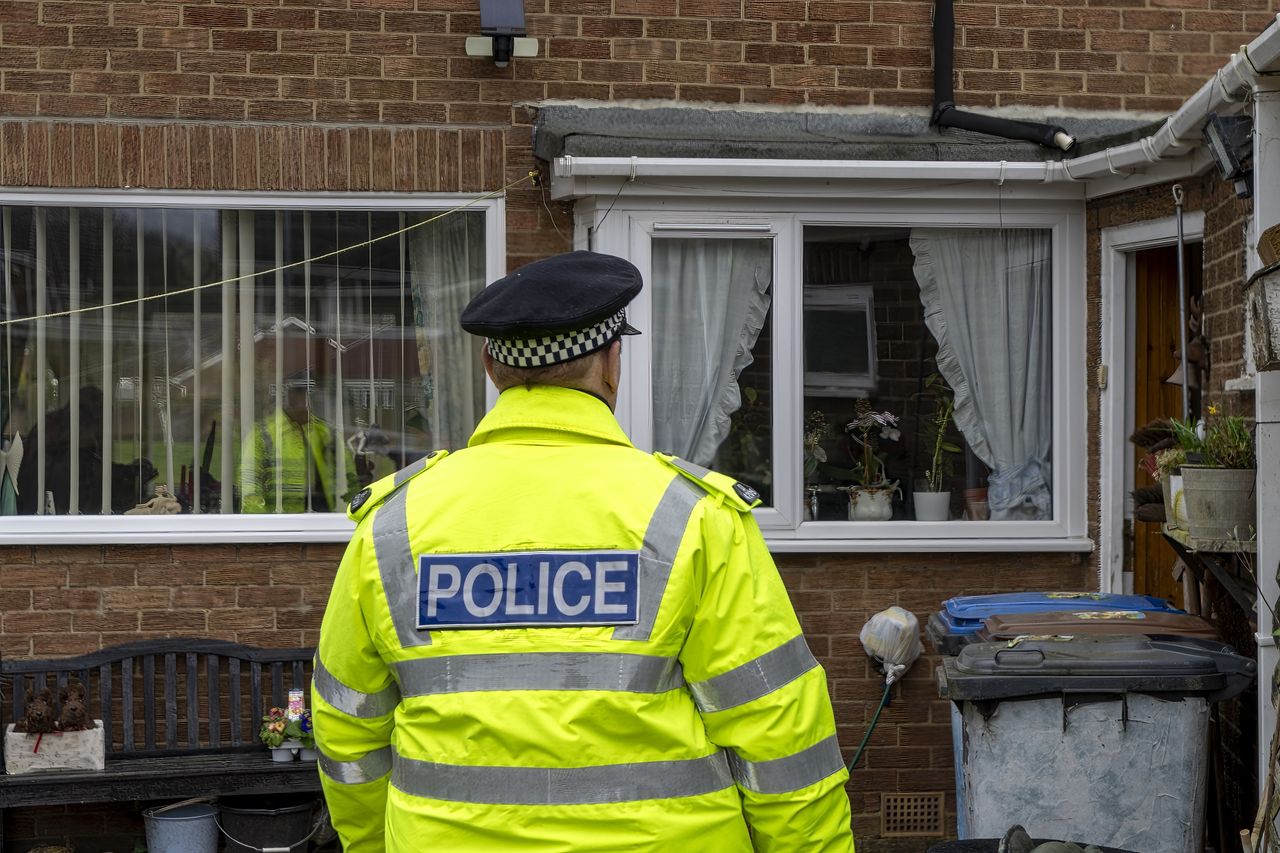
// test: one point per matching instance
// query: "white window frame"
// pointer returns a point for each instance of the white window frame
(625, 224)
(232, 528)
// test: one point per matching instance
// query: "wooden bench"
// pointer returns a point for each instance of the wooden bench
(180, 718)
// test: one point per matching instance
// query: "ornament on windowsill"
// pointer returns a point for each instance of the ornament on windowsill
(162, 504)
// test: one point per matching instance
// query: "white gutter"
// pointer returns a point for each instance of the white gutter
(1178, 137)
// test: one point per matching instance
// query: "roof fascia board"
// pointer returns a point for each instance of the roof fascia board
(577, 177)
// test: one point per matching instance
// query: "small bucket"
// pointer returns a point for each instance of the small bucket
(191, 828)
(278, 823)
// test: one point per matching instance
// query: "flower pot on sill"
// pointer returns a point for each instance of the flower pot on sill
(286, 751)
(933, 506)
(872, 503)
(309, 753)
(975, 504)
(1222, 503)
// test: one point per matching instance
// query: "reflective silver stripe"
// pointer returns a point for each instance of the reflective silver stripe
(661, 541)
(402, 476)
(372, 766)
(691, 468)
(539, 671)
(755, 678)
(560, 786)
(790, 773)
(350, 701)
(395, 565)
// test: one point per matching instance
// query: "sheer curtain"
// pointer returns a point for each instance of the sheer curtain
(446, 261)
(986, 296)
(710, 299)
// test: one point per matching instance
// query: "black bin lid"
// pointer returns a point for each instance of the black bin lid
(1037, 666)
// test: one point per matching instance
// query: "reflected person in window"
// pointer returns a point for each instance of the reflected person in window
(290, 461)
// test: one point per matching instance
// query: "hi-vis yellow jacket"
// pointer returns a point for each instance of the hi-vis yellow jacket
(609, 659)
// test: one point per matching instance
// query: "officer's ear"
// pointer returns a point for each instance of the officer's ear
(487, 360)
(613, 365)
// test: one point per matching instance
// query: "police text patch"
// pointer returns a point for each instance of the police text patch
(528, 588)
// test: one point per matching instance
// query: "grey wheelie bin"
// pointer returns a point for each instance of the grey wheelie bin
(1107, 735)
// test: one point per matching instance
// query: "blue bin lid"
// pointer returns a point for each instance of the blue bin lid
(965, 614)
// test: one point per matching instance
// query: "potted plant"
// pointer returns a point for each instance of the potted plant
(872, 498)
(1219, 477)
(931, 502)
(816, 428)
(287, 736)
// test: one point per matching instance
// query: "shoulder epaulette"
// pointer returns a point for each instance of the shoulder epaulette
(376, 492)
(738, 495)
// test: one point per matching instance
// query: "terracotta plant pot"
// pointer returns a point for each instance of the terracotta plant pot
(975, 504)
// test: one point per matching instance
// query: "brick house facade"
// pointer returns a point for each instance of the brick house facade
(378, 95)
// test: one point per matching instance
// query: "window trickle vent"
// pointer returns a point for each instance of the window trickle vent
(911, 815)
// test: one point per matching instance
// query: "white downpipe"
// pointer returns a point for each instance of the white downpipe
(1266, 212)
(1267, 413)
(1266, 158)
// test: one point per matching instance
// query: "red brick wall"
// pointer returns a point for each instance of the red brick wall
(58, 601)
(379, 95)
(1225, 219)
(402, 62)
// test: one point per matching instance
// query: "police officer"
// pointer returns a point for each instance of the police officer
(551, 641)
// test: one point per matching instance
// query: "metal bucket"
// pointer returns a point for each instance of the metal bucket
(191, 828)
(280, 822)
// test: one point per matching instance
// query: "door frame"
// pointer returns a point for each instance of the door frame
(1116, 278)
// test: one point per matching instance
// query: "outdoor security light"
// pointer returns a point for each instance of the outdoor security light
(1230, 142)
(502, 28)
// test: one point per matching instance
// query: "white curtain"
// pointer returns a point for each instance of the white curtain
(710, 299)
(446, 260)
(986, 296)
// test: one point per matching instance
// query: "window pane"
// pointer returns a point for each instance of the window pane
(295, 358)
(928, 373)
(712, 375)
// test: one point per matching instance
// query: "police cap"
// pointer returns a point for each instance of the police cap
(556, 309)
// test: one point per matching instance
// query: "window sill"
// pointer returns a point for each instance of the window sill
(173, 530)
(1074, 544)
(223, 529)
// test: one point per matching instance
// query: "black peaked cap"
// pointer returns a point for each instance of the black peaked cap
(552, 296)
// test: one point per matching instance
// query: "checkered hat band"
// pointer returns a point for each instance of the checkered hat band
(540, 352)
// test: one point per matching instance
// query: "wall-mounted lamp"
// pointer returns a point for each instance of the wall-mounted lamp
(1230, 142)
(502, 32)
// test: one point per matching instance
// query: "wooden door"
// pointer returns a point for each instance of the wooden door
(1156, 341)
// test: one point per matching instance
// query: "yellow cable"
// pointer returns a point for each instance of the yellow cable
(530, 176)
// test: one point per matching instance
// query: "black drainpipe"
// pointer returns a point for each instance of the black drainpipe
(945, 113)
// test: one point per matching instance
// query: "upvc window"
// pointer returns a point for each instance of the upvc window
(265, 358)
(768, 335)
